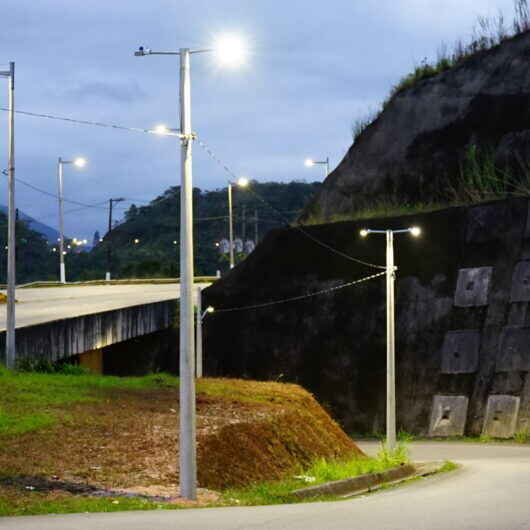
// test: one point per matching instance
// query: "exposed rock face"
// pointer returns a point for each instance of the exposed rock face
(462, 320)
(415, 149)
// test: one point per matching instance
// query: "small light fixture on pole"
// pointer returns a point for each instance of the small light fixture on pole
(199, 316)
(390, 329)
(11, 222)
(109, 243)
(309, 162)
(78, 162)
(229, 51)
(242, 183)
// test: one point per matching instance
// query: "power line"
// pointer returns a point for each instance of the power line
(82, 122)
(297, 227)
(301, 297)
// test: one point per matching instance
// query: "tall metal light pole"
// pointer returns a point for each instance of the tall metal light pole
(230, 48)
(79, 162)
(11, 222)
(242, 182)
(310, 163)
(390, 329)
(109, 244)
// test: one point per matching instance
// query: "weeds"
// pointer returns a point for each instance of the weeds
(487, 33)
(321, 470)
(521, 437)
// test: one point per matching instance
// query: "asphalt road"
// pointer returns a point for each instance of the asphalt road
(490, 492)
(46, 304)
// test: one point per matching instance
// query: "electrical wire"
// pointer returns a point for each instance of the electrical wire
(301, 297)
(82, 122)
(297, 227)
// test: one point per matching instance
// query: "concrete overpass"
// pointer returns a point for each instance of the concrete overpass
(58, 322)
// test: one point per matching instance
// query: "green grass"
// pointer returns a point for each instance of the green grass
(320, 471)
(29, 400)
(37, 504)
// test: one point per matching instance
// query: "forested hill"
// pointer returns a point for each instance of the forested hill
(146, 244)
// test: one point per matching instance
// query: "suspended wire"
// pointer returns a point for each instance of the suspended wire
(82, 122)
(301, 297)
(297, 227)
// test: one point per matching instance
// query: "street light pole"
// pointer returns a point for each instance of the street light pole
(230, 226)
(109, 244)
(390, 330)
(187, 434)
(11, 223)
(79, 162)
(242, 182)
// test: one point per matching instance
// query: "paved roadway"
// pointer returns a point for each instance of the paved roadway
(491, 492)
(46, 304)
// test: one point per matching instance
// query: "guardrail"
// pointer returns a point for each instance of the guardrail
(131, 281)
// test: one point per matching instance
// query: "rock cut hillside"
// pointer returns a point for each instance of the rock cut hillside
(414, 151)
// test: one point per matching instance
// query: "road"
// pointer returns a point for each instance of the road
(46, 304)
(490, 492)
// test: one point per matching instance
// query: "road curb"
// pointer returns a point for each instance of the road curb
(352, 486)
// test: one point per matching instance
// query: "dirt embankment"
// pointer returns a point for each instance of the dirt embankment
(128, 438)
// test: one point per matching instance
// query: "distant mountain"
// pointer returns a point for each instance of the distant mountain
(47, 231)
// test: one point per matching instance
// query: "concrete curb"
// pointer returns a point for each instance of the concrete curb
(371, 482)
(351, 486)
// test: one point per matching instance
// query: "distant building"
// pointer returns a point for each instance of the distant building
(224, 246)
(249, 246)
(238, 245)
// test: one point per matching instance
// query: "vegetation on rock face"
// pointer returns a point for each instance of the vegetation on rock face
(487, 34)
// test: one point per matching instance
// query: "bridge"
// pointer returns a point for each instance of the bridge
(53, 323)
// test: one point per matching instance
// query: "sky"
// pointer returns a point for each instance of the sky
(312, 68)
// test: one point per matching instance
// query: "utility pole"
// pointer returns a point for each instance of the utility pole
(198, 339)
(11, 223)
(230, 226)
(109, 243)
(390, 329)
(256, 234)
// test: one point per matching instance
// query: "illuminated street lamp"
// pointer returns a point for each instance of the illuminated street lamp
(11, 220)
(78, 162)
(242, 183)
(390, 329)
(309, 162)
(228, 51)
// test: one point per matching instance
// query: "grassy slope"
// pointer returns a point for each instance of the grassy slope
(121, 432)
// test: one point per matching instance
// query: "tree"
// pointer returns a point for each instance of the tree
(97, 237)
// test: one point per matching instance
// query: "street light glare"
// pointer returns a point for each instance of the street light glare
(161, 129)
(243, 182)
(415, 231)
(210, 309)
(308, 162)
(80, 162)
(230, 51)
(363, 232)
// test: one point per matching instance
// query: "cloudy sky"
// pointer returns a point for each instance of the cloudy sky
(313, 68)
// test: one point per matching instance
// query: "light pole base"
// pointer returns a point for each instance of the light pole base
(63, 273)
(107, 276)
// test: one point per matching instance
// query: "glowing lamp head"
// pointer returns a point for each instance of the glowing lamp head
(309, 163)
(136, 241)
(415, 231)
(80, 162)
(364, 232)
(242, 182)
(230, 51)
(161, 129)
(210, 309)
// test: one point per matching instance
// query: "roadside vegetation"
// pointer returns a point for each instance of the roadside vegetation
(486, 35)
